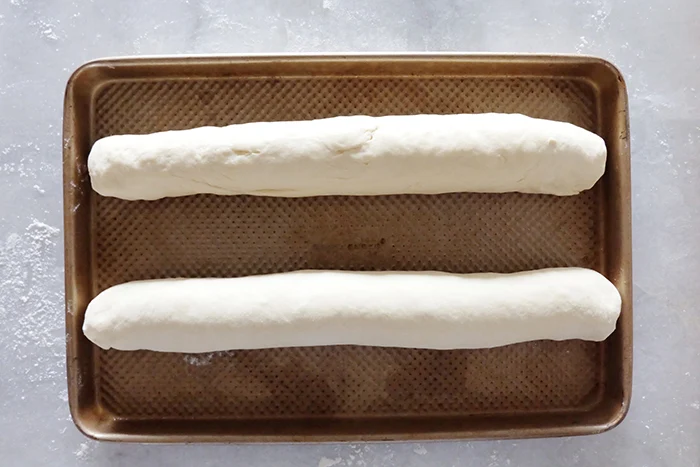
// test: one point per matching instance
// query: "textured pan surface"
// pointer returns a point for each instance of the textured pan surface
(349, 392)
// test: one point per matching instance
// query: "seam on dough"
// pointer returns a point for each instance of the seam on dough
(201, 182)
(223, 174)
(244, 153)
(529, 171)
(371, 134)
(357, 147)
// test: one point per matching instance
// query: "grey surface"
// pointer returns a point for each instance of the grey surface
(654, 43)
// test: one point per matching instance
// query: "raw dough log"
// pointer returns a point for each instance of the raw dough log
(360, 155)
(390, 309)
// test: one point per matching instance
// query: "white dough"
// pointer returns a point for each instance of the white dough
(360, 155)
(390, 309)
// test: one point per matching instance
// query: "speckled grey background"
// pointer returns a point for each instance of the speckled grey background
(655, 44)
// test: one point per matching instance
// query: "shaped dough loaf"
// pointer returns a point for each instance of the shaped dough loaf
(390, 309)
(357, 155)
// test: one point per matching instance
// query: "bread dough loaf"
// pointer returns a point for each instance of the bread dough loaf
(357, 155)
(391, 309)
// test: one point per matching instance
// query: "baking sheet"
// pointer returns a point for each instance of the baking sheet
(343, 392)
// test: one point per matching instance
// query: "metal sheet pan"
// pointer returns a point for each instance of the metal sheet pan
(340, 393)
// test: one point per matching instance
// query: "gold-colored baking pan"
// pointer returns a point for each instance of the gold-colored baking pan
(542, 388)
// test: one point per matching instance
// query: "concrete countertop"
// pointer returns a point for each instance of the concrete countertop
(653, 42)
